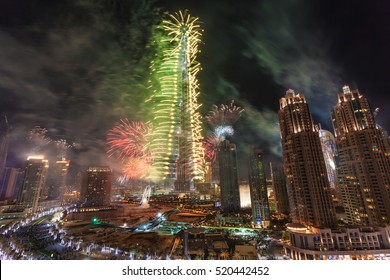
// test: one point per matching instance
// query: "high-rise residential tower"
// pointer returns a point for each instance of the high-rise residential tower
(306, 175)
(363, 162)
(258, 189)
(177, 142)
(4, 128)
(13, 178)
(35, 170)
(96, 187)
(280, 188)
(56, 179)
(230, 194)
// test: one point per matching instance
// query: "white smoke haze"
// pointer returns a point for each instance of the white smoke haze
(295, 53)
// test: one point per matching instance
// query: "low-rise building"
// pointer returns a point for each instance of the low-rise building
(310, 243)
(197, 243)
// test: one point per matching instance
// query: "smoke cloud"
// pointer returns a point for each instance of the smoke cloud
(287, 43)
(75, 68)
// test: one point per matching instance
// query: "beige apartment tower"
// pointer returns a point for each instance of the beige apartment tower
(363, 163)
(35, 170)
(306, 176)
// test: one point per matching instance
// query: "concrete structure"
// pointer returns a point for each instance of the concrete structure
(100, 213)
(363, 162)
(208, 173)
(310, 243)
(203, 245)
(35, 171)
(12, 181)
(4, 139)
(245, 252)
(258, 189)
(230, 196)
(44, 205)
(280, 188)
(9, 212)
(245, 194)
(306, 175)
(71, 197)
(56, 179)
(96, 187)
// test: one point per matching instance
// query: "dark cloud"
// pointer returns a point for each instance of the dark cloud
(74, 71)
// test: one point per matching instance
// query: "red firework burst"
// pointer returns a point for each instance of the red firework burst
(128, 139)
(136, 168)
(211, 146)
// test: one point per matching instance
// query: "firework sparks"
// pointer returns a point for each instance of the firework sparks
(223, 131)
(224, 115)
(122, 179)
(136, 168)
(128, 139)
(177, 136)
(62, 148)
(221, 120)
(211, 146)
(38, 138)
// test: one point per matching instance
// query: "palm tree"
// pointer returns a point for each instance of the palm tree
(224, 255)
(198, 257)
(236, 255)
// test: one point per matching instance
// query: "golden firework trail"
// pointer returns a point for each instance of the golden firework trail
(177, 136)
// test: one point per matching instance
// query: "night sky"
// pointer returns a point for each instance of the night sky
(77, 67)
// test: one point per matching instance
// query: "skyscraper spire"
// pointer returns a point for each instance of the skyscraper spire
(176, 144)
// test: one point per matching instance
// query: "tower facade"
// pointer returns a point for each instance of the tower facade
(258, 188)
(4, 128)
(56, 180)
(230, 194)
(35, 170)
(13, 178)
(208, 173)
(176, 145)
(280, 188)
(306, 176)
(363, 160)
(96, 187)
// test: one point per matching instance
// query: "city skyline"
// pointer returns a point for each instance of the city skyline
(151, 130)
(69, 104)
